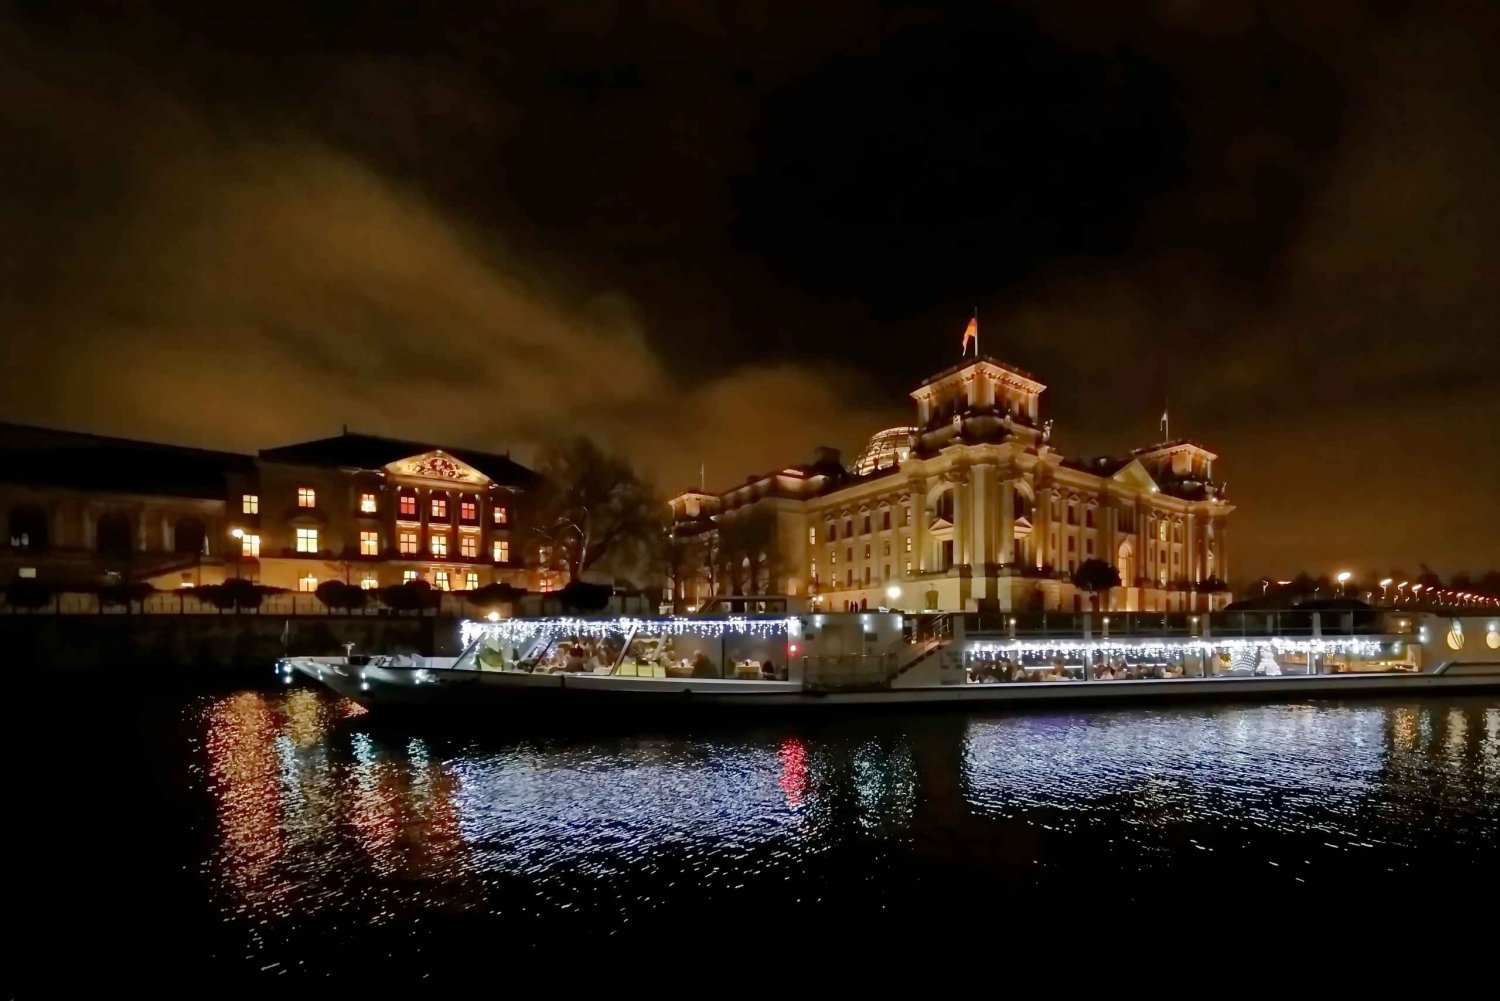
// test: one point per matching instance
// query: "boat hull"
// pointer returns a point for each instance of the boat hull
(390, 690)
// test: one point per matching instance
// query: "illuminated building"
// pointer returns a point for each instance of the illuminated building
(974, 510)
(372, 511)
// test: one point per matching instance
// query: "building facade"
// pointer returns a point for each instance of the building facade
(975, 510)
(371, 511)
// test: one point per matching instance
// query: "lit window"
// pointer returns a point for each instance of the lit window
(307, 540)
(908, 543)
(407, 575)
(468, 544)
(308, 583)
(439, 544)
(502, 516)
(367, 503)
(1161, 531)
(885, 548)
(250, 503)
(812, 535)
(307, 497)
(1161, 577)
(440, 579)
(249, 545)
(28, 573)
(906, 516)
(471, 581)
(908, 568)
(833, 557)
(440, 507)
(407, 506)
(500, 550)
(814, 569)
(406, 542)
(368, 582)
(369, 543)
(867, 550)
(468, 510)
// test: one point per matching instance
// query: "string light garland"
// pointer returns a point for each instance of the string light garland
(1158, 648)
(519, 630)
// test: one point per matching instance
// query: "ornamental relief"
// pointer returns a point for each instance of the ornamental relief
(437, 465)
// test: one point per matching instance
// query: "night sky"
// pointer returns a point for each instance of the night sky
(730, 233)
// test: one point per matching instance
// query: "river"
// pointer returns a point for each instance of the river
(283, 831)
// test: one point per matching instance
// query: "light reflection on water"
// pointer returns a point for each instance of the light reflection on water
(325, 825)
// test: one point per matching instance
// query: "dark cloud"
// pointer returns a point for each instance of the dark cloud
(723, 234)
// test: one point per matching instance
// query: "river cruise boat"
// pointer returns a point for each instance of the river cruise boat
(815, 660)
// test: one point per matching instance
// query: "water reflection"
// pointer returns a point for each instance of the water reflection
(321, 817)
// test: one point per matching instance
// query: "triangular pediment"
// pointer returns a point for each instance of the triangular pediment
(1134, 475)
(437, 465)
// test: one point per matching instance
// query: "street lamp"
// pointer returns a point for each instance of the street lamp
(1383, 585)
(893, 594)
(1343, 578)
(1399, 588)
(238, 535)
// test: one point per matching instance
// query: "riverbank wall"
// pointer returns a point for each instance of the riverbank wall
(213, 644)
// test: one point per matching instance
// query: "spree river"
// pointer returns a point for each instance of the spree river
(283, 831)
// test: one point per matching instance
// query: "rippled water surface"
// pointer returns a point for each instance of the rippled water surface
(284, 831)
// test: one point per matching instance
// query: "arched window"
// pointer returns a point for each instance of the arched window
(28, 527)
(112, 534)
(188, 536)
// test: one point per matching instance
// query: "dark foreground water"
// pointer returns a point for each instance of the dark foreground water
(282, 832)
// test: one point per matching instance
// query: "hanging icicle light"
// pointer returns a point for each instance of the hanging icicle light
(516, 630)
(1159, 648)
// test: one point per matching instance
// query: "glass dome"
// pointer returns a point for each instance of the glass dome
(886, 448)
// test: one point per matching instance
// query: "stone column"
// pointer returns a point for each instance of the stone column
(1108, 548)
(919, 541)
(1190, 547)
(963, 513)
(982, 480)
(1041, 522)
(1006, 551)
(1143, 539)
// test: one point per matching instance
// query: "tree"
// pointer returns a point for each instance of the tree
(125, 594)
(580, 596)
(594, 510)
(237, 593)
(410, 596)
(27, 593)
(748, 552)
(493, 596)
(336, 594)
(690, 558)
(1094, 575)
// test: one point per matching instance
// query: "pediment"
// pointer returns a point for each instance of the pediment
(437, 465)
(1134, 475)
